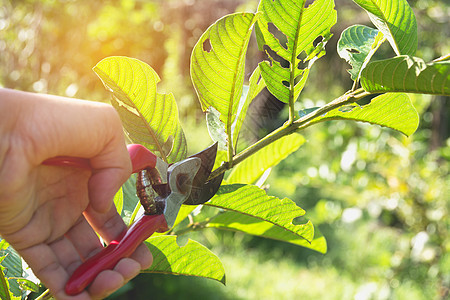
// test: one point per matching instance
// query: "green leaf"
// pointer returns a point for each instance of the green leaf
(12, 264)
(239, 222)
(148, 117)
(216, 128)
(253, 201)
(3, 244)
(130, 199)
(396, 20)
(289, 33)
(357, 45)
(251, 169)
(221, 157)
(407, 74)
(118, 200)
(4, 285)
(218, 65)
(193, 259)
(25, 284)
(389, 110)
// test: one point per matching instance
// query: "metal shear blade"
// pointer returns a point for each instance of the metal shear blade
(202, 189)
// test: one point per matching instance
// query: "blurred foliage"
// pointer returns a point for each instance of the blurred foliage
(381, 199)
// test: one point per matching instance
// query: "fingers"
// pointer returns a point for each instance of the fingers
(49, 263)
(50, 126)
(110, 280)
(110, 226)
(84, 239)
(103, 185)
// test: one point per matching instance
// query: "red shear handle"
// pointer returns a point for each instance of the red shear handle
(141, 158)
(144, 227)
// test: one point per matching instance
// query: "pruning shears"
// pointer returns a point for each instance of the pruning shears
(161, 188)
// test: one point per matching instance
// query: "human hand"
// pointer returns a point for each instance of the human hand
(49, 214)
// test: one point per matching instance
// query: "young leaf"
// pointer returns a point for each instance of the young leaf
(253, 201)
(25, 284)
(216, 128)
(193, 259)
(130, 199)
(294, 36)
(396, 20)
(389, 110)
(3, 244)
(118, 200)
(148, 117)
(357, 45)
(239, 222)
(218, 65)
(251, 169)
(407, 74)
(256, 84)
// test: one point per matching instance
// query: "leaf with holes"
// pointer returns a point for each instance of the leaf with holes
(396, 20)
(407, 74)
(239, 222)
(253, 201)
(218, 65)
(389, 110)
(193, 259)
(251, 169)
(357, 45)
(149, 118)
(290, 32)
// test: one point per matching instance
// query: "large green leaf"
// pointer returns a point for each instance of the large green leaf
(289, 32)
(393, 110)
(239, 222)
(149, 118)
(218, 65)
(251, 169)
(12, 264)
(253, 201)
(4, 284)
(407, 74)
(193, 259)
(357, 45)
(396, 20)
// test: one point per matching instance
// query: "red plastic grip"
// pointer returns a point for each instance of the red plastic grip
(106, 259)
(141, 157)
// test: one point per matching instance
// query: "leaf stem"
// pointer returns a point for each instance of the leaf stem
(135, 211)
(44, 295)
(291, 127)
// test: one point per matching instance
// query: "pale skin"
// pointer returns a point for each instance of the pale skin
(50, 214)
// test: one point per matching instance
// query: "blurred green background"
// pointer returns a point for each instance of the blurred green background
(380, 199)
